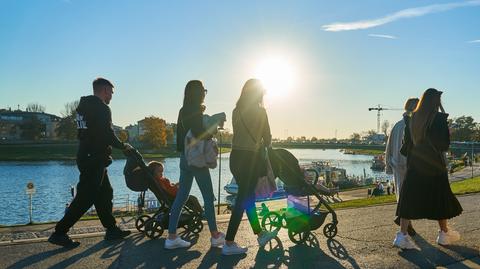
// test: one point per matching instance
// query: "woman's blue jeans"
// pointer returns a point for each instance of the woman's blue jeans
(204, 182)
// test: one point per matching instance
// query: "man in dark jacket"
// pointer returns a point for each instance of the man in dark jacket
(96, 139)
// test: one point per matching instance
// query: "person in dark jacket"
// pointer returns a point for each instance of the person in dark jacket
(96, 139)
(426, 193)
(190, 117)
(251, 134)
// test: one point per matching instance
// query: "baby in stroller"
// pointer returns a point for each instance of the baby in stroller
(171, 189)
(140, 177)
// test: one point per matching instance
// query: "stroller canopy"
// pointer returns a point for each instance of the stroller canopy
(135, 172)
(285, 166)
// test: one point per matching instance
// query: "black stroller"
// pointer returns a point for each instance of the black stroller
(139, 177)
(298, 222)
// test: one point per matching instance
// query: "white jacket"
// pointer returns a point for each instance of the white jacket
(396, 163)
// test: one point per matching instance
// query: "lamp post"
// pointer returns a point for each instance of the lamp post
(220, 129)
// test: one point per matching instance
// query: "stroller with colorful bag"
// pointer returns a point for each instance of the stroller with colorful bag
(303, 214)
(139, 177)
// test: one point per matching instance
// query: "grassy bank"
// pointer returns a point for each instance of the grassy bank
(372, 152)
(67, 152)
(458, 188)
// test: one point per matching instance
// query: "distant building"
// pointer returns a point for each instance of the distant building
(377, 139)
(11, 122)
(133, 132)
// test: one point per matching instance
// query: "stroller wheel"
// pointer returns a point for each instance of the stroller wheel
(195, 225)
(330, 230)
(153, 229)
(141, 221)
(298, 237)
(272, 221)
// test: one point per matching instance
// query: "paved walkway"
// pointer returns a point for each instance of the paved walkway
(364, 241)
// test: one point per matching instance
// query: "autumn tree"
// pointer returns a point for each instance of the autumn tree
(155, 132)
(123, 135)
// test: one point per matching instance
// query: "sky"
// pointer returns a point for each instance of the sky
(326, 62)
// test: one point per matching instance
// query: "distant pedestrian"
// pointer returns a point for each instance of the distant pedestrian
(251, 134)
(396, 163)
(96, 138)
(426, 192)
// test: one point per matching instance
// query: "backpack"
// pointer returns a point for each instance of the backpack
(200, 153)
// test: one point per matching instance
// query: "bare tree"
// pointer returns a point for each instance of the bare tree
(385, 126)
(35, 107)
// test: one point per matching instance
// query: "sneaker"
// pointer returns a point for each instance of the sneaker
(176, 243)
(233, 249)
(116, 233)
(219, 241)
(404, 242)
(264, 237)
(63, 240)
(446, 238)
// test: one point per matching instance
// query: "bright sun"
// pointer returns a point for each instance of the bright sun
(276, 75)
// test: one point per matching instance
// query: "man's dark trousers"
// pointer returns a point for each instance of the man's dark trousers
(93, 189)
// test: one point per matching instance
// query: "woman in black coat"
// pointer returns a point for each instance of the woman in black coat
(426, 192)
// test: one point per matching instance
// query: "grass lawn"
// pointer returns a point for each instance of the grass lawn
(459, 187)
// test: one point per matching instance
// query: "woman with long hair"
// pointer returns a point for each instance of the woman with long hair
(426, 193)
(190, 118)
(251, 134)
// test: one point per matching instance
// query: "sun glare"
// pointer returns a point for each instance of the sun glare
(276, 75)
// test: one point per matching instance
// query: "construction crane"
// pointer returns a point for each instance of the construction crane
(379, 110)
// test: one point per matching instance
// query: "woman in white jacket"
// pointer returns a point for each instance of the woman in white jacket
(396, 163)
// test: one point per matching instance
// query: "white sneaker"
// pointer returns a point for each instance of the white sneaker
(404, 241)
(264, 237)
(233, 249)
(446, 238)
(218, 242)
(176, 243)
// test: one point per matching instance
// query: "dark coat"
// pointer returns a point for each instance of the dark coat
(426, 157)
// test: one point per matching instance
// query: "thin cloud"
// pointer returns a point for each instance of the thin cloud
(383, 36)
(402, 14)
(474, 41)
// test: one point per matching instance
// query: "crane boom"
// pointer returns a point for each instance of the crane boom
(379, 109)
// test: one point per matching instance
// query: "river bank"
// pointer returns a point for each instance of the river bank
(68, 151)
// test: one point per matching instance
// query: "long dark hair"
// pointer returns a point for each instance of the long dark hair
(424, 114)
(194, 94)
(251, 95)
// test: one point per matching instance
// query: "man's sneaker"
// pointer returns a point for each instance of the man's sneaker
(233, 249)
(63, 240)
(116, 233)
(219, 241)
(446, 238)
(264, 237)
(404, 241)
(176, 243)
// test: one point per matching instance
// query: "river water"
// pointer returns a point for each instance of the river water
(53, 179)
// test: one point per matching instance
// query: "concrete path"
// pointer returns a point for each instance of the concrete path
(364, 241)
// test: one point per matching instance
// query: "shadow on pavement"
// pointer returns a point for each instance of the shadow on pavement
(150, 253)
(306, 255)
(432, 256)
(32, 260)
